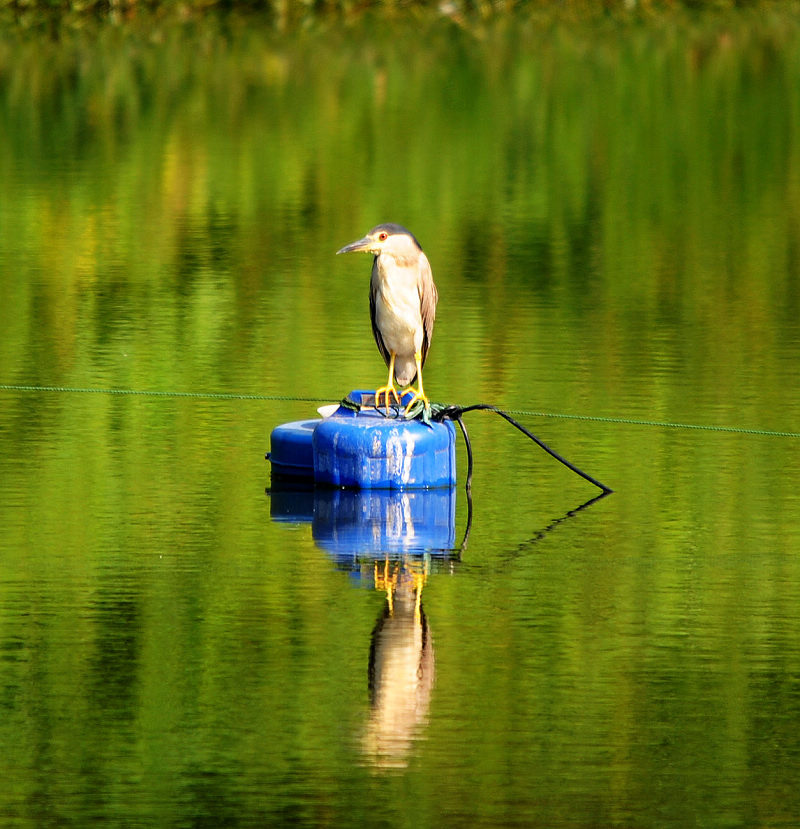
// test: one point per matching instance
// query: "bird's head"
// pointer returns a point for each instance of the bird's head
(391, 239)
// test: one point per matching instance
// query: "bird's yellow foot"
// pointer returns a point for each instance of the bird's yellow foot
(419, 395)
(387, 392)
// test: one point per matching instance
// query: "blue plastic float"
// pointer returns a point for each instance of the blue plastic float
(365, 449)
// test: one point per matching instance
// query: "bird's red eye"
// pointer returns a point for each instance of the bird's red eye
(383, 236)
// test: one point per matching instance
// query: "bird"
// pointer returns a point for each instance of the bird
(402, 307)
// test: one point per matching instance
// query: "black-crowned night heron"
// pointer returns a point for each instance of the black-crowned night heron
(402, 306)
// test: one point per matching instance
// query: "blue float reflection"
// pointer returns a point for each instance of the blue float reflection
(351, 525)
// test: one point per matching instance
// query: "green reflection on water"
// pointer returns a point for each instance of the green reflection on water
(612, 216)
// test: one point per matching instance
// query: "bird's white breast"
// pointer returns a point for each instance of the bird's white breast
(397, 310)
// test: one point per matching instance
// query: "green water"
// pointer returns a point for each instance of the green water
(612, 214)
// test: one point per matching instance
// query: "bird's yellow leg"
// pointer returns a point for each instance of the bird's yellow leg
(419, 393)
(388, 389)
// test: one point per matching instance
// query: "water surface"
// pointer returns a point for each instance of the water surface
(612, 215)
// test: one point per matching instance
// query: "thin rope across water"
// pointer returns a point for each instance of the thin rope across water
(197, 395)
(663, 424)
(203, 395)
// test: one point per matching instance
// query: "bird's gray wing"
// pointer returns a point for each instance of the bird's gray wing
(375, 332)
(428, 297)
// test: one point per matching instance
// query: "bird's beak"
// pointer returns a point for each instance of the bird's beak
(361, 244)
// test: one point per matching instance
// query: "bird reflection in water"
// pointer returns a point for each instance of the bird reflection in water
(401, 665)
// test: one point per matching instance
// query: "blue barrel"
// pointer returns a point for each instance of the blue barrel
(364, 449)
(291, 451)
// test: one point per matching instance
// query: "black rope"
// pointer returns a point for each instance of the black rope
(439, 413)
(467, 443)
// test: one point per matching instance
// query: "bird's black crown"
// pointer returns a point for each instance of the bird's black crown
(395, 230)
